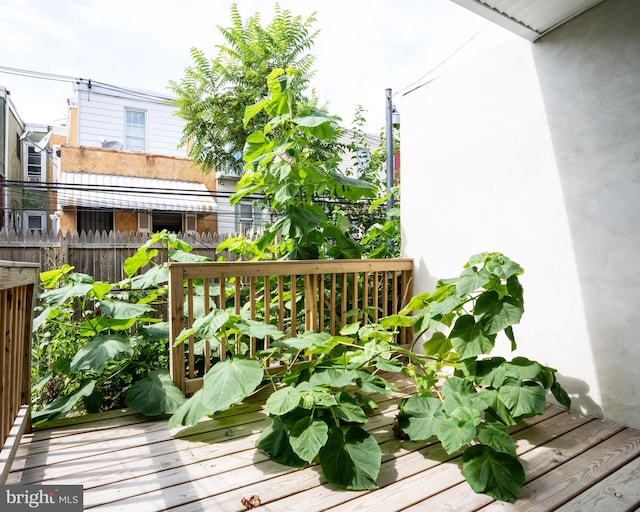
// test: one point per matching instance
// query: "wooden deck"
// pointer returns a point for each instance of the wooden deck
(126, 462)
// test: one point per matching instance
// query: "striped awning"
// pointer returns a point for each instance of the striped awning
(133, 193)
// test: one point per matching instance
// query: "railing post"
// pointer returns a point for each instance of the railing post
(176, 324)
(18, 283)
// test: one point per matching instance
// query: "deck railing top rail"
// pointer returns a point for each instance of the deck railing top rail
(328, 294)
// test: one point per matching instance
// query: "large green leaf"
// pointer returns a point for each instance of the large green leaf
(524, 400)
(57, 296)
(155, 394)
(283, 400)
(458, 392)
(99, 324)
(190, 412)
(351, 459)
(151, 278)
(496, 474)
(348, 409)
(469, 339)
(307, 437)
(438, 345)
(49, 278)
(100, 350)
(185, 256)
(258, 329)
(455, 433)
(63, 404)
(274, 441)
(419, 417)
(299, 221)
(333, 377)
(141, 258)
(229, 382)
(560, 394)
(470, 280)
(155, 332)
(501, 266)
(496, 313)
(496, 436)
(123, 310)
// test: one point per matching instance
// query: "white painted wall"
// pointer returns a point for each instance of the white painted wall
(534, 151)
(101, 116)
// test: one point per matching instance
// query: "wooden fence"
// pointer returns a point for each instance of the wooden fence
(295, 296)
(101, 255)
(17, 294)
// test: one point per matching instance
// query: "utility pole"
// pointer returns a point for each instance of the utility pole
(390, 154)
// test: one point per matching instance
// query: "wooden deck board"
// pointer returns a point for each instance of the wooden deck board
(126, 462)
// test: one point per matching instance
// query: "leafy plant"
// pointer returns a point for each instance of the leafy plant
(324, 385)
(96, 340)
(214, 93)
(286, 162)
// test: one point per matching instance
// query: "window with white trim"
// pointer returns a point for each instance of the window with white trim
(34, 221)
(190, 222)
(248, 217)
(135, 130)
(34, 165)
(145, 222)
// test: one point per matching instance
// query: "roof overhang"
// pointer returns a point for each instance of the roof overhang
(530, 19)
(132, 193)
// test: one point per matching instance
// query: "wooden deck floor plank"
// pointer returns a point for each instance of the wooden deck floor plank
(105, 442)
(143, 457)
(568, 480)
(207, 490)
(618, 492)
(537, 461)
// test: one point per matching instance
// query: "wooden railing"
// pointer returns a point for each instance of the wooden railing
(295, 296)
(17, 294)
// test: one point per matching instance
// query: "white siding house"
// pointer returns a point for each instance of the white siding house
(533, 150)
(129, 119)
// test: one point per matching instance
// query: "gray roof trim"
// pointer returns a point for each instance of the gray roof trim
(530, 19)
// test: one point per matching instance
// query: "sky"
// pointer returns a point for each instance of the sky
(363, 47)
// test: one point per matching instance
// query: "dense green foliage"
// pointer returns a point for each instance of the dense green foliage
(214, 93)
(326, 384)
(94, 340)
(288, 166)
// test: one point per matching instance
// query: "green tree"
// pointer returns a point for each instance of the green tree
(287, 162)
(214, 93)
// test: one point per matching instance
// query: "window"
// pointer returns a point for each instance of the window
(94, 219)
(34, 221)
(248, 217)
(170, 221)
(144, 222)
(135, 130)
(190, 222)
(34, 165)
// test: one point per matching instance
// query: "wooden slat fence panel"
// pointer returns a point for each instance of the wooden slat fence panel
(99, 254)
(295, 296)
(17, 292)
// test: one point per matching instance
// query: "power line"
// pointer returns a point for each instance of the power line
(441, 63)
(38, 74)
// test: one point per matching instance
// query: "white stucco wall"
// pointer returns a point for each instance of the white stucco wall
(533, 150)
